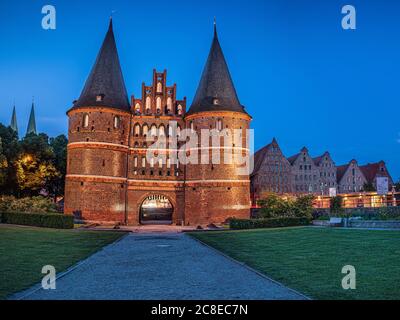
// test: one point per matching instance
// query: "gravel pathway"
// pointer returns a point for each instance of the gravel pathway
(161, 267)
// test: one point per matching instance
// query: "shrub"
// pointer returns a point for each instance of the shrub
(238, 224)
(54, 220)
(37, 204)
(273, 206)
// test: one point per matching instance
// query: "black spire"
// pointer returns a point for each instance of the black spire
(14, 124)
(105, 86)
(216, 91)
(32, 122)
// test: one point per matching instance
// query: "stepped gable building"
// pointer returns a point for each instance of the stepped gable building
(305, 172)
(350, 178)
(108, 175)
(373, 170)
(327, 172)
(272, 172)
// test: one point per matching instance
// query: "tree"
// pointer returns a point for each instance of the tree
(10, 151)
(369, 187)
(35, 166)
(336, 205)
(397, 186)
(59, 147)
(3, 167)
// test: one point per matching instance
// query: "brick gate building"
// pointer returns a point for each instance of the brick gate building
(109, 177)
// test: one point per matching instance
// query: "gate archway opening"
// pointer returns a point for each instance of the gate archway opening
(156, 209)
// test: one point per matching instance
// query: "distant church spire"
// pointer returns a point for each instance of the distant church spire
(14, 124)
(32, 122)
(216, 91)
(105, 86)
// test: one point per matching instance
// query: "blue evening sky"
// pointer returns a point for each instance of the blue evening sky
(303, 78)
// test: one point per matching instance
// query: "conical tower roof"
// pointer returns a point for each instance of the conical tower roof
(216, 91)
(32, 122)
(105, 79)
(14, 124)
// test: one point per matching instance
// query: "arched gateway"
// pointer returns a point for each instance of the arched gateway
(156, 209)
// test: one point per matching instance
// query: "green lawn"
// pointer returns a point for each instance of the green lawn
(24, 251)
(311, 259)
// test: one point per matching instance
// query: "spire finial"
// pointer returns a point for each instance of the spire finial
(215, 26)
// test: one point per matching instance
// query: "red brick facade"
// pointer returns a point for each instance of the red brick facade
(108, 177)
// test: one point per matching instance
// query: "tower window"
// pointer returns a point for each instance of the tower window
(159, 87)
(85, 120)
(116, 122)
(180, 109)
(219, 125)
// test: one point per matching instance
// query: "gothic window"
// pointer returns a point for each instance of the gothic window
(148, 104)
(158, 104)
(145, 130)
(170, 133)
(135, 162)
(169, 104)
(152, 162)
(168, 163)
(137, 108)
(153, 130)
(143, 162)
(180, 109)
(116, 122)
(161, 130)
(159, 87)
(136, 130)
(160, 163)
(85, 122)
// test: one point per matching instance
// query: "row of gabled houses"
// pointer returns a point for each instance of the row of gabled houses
(302, 173)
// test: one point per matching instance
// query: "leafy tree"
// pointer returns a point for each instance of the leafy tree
(303, 206)
(336, 205)
(59, 147)
(3, 167)
(10, 151)
(397, 185)
(369, 187)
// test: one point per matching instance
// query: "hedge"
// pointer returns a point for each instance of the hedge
(57, 221)
(238, 224)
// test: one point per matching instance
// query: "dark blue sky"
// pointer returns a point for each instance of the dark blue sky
(303, 78)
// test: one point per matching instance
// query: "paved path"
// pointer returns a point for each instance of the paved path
(162, 267)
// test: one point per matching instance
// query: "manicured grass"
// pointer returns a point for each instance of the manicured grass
(310, 259)
(25, 250)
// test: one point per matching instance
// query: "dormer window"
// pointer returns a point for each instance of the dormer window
(99, 97)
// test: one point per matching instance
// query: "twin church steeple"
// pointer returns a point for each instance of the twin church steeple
(31, 128)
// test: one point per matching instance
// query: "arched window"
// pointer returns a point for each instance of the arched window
(137, 108)
(136, 130)
(145, 130)
(153, 130)
(135, 162)
(161, 130)
(168, 163)
(159, 87)
(85, 120)
(180, 109)
(160, 163)
(158, 105)
(143, 162)
(152, 162)
(170, 133)
(116, 122)
(219, 125)
(169, 104)
(136, 145)
(148, 104)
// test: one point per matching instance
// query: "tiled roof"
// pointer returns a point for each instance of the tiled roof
(105, 79)
(216, 91)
